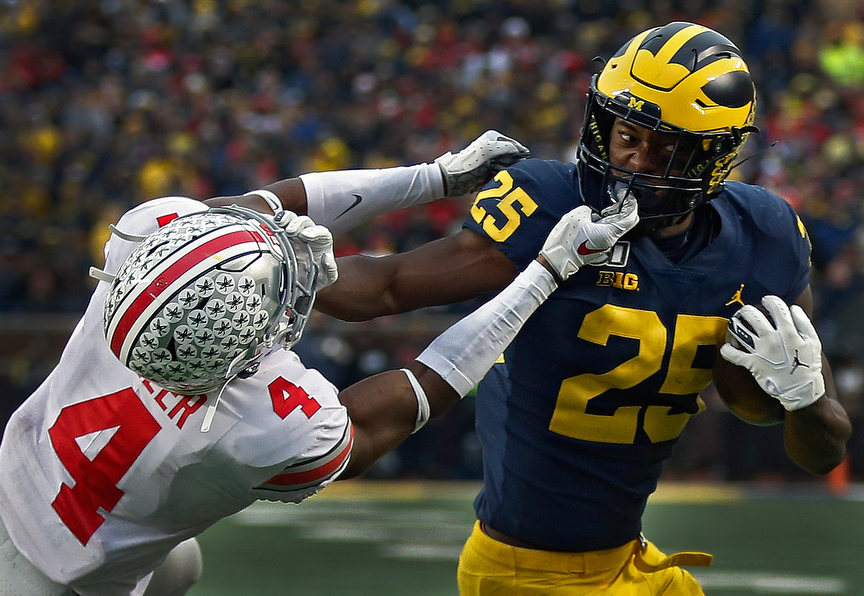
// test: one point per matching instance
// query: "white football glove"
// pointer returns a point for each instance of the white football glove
(582, 236)
(291, 222)
(471, 168)
(320, 241)
(785, 357)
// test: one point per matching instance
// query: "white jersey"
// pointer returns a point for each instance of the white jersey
(103, 473)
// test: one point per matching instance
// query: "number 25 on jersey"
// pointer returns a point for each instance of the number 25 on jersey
(572, 416)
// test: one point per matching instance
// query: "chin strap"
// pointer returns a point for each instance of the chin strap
(125, 235)
(211, 409)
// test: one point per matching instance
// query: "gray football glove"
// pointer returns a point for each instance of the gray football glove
(582, 236)
(471, 168)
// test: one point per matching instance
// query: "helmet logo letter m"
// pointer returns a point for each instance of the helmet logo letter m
(636, 104)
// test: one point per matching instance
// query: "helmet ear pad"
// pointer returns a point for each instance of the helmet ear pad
(201, 299)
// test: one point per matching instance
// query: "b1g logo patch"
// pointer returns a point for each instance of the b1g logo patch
(618, 279)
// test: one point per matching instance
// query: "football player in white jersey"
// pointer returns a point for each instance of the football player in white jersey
(178, 401)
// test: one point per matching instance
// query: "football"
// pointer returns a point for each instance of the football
(742, 394)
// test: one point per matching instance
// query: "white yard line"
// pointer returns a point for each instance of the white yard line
(771, 583)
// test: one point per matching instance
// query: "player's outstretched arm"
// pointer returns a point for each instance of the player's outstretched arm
(444, 271)
(387, 408)
(784, 355)
(372, 287)
(342, 200)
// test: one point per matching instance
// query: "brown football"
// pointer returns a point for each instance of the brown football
(742, 394)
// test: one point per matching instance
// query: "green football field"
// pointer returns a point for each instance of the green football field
(366, 538)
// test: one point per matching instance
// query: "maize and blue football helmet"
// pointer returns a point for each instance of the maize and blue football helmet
(682, 79)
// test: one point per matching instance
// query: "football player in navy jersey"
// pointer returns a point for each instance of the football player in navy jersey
(582, 409)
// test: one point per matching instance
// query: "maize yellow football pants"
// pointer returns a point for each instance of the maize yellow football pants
(490, 568)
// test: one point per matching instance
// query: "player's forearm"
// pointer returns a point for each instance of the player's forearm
(444, 271)
(383, 411)
(465, 352)
(289, 192)
(342, 200)
(362, 291)
(816, 436)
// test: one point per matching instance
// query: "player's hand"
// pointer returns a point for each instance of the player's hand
(582, 236)
(291, 222)
(471, 168)
(784, 356)
(320, 241)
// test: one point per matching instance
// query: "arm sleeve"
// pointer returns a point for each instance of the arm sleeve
(465, 352)
(342, 200)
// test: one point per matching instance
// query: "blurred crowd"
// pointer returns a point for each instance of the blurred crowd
(106, 103)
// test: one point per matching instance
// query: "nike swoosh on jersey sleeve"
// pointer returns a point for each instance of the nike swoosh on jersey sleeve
(307, 477)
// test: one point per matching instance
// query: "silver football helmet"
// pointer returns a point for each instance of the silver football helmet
(204, 297)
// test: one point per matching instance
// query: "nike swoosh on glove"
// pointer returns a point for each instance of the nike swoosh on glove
(783, 354)
(471, 168)
(582, 236)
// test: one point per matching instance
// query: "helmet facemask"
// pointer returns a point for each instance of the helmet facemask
(703, 86)
(205, 297)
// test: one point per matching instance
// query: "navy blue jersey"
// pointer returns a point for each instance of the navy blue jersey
(588, 401)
